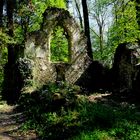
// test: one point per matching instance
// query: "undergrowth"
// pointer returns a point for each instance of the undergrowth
(60, 112)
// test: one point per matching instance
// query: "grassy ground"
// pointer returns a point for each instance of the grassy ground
(115, 119)
(67, 115)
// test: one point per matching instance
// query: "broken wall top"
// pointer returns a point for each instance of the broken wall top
(37, 47)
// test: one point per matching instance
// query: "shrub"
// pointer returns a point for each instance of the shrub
(60, 112)
(50, 110)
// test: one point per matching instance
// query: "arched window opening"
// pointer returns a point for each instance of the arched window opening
(59, 46)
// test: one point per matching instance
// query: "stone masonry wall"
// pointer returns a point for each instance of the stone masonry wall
(38, 49)
(126, 68)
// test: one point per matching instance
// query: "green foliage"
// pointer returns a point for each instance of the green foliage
(125, 28)
(107, 55)
(120, 125)
(46, 94)
(49, 110)
(28, 16)
(3, 61)
(39, 7)
(126, 130)
(59, 112)
(95, 135)
(100, 13)
(56, 3)
(5, 39)
(59, 45)
(25, 70)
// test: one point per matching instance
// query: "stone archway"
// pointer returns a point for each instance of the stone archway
(37, 48)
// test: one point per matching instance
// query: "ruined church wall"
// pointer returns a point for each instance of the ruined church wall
(37, 48)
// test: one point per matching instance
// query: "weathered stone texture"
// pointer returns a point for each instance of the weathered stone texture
(126, 67)
(37, 48)
(77, 68)
(96, 77)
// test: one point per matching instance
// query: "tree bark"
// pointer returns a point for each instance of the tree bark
(67, 4)
(79, 13)
(101, 39)
(138, 12)
(10, 10)
(1, 12)
(86, 28)
(138, 15)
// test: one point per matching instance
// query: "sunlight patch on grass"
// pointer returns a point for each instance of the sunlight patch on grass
(95, 135)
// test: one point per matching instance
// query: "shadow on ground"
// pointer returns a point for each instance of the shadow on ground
(10, 123)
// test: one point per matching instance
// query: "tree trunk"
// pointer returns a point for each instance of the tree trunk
(138, 15)
(67, 4)
(87, 29)
(138, 11)
(79, 14)
(10, 10)
(1, 12)
(101, 39)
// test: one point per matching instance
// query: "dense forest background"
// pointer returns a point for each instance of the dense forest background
(110, 23)
(106, 24)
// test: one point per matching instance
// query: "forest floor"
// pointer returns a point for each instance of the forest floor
(10, 123)
(11, 120)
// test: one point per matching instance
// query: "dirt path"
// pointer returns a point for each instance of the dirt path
(10, 122)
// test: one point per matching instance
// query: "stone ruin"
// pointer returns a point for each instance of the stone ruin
(126, 68)
(37, 49)
(34, 64)
(124, 76)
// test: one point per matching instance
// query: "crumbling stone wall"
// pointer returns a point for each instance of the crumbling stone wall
(37, 48)
(126, 70)
(96, 77)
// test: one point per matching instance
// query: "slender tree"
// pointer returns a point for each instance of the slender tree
(10, 11)
(79, 13)
(138, 15)
(87, 28)
(137, 2)
(125, 18)
(67, 4)
(1, 11)
(100, 13)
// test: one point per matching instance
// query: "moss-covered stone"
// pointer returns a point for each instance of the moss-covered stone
(125, 67)
(37, 48)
